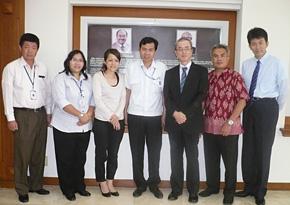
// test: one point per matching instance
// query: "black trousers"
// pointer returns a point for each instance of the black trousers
(147, 129)
(180, 141)
(29, 149)
(70, 152)
(107, 143)
(216, 146)
(259, 121)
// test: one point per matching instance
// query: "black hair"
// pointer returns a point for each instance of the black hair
(69, 58)
(113, 51)
(257, 33)
(29, 37)
(147, 40)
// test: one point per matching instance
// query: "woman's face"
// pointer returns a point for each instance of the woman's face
(112, 63)
(76, 64)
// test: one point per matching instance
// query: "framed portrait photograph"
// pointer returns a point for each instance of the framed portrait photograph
(122, 39)
(191, 35)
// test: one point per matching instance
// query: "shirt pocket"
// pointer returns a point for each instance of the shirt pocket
(41, 82)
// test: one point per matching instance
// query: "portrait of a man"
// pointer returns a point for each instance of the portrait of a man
(121, 38)
(189, 34)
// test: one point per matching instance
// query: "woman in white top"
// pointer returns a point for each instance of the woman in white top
(110, 96)
(71, 120)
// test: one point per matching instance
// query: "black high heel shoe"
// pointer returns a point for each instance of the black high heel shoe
(105, 194)
(115, 193)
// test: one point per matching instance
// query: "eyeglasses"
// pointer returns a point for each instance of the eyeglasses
(186, 49)
(75, 60)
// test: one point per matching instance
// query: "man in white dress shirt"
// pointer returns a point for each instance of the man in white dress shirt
(266, 80)
(27, 103)
(146, 114)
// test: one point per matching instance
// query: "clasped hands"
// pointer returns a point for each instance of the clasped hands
(179, 117)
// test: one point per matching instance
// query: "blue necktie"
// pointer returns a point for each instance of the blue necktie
(183, 78)
(254, 83)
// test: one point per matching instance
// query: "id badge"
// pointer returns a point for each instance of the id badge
(33, 95)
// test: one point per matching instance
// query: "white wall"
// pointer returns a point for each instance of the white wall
(51, 21)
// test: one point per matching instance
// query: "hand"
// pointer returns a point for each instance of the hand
(226, 128)
(116, 125)
(125, 117)
(114, 120)
(48, 118)
(179, 117)
(12, 125)
(163, 120)
(84, 119)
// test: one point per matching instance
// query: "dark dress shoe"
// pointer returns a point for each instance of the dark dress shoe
(115, 193)
(260, 200)
(157, 193)
(40, 191)
(70, 196)
(172, 196)
(83, 193)
(207, 192)
(193, 198)
(23, 198)
(243, 194)
(228, 200)
(138, 192)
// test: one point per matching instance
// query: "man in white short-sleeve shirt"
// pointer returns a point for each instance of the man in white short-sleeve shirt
(145, 114)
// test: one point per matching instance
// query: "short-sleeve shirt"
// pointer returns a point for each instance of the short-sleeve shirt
(146, 85)
(223, 94)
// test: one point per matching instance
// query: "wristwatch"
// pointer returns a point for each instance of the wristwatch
(230, 122)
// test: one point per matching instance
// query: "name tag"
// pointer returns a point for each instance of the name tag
(33, 95)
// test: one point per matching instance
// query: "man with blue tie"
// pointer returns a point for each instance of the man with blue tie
(185, 88)
(267, 82)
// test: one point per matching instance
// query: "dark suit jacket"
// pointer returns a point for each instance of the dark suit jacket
(189, 101)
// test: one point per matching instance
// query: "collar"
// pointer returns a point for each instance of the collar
(24, 63)
(263, 59)
(226, 72)
(188, 65)
(153, 64)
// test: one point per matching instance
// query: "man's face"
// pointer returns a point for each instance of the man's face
(258, 46)
(121, 37)
(183, 52)
(28, 50)
(220, 58)
(147, 52)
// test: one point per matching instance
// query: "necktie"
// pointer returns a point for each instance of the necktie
(183, 78)
(254, 83)
(122, 48)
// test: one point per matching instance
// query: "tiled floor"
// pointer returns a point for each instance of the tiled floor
(9, 196)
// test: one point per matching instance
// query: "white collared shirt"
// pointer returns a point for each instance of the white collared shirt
(272, 79)
(19, 81)
(67, 90)
(187, 70)
(146, 85)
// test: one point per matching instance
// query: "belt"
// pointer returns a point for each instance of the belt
(263, 99)
(29, 109)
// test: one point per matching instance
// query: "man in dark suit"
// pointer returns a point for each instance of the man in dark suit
(185, 88)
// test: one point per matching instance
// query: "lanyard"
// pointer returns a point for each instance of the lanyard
(79, 86)
(150, 77)
(32, 82)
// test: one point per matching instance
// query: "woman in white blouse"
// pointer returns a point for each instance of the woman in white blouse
(110, 96)
(71, 120)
